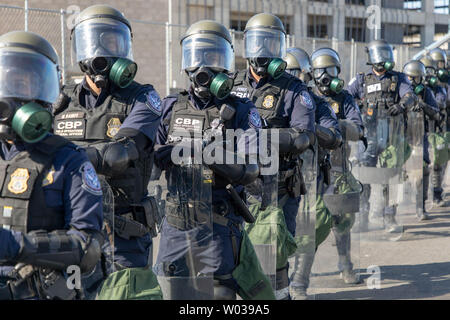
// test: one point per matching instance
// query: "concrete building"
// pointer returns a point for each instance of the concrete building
(409, 25)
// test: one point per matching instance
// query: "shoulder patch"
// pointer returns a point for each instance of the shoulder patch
(307, 101)
(254, 119)
(153, 102)
(91, 183)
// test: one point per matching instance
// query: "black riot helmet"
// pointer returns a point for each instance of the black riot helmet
(265, 45)
(380, 55)
(326, 65)
(299, 64)
(101, 44)
(207, 58)
(29, 84)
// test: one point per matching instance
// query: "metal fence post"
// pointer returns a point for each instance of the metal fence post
(26, 15)
(167, 60)
(63, 48)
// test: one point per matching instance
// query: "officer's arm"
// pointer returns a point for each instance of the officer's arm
(408, 100)
(294, 141)
(9, 244)
(60, 249)
(353, 87)
(429, 105)
(352, 126)
(328, 138)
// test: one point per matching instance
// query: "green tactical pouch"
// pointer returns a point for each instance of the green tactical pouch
(324, 221)
(131, 284)
(253, 283)
(393, 157)
(345, 183)
(261, 231)
(440, 148)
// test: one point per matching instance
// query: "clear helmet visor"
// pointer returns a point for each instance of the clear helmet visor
(264, 43)
(28, 76)
(302, 59)
(430, 71)
(332, 71)
(109, 38)
(206, 50)
(379, 54)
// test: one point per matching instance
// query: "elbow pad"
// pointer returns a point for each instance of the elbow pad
(57, 250)
(293, 141)
(408, 100)
(117, 156)
(350, 130)
(328, 138)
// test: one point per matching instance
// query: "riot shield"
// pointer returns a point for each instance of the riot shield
(411, 203)
(262, 198)
(379, 168)
(300, 264)
(338, 255)
(185, 263)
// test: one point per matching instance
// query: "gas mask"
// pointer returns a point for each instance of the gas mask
(431, 81)
(384, 66)
(207, 83)
(28, 120)
(327, 80)
(102, 70)
(271, 66)
(443, 75)
(417, 84)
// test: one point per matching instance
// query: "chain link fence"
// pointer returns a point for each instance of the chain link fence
(157, 51)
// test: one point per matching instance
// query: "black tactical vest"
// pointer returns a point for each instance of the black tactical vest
(97, 127)
(267, 99)
(22, 203)
(380, 94)
(186, 117)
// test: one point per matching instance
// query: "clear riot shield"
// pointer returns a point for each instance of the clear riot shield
(379, 168)
(185, 262)
(338, 256)
(411, 202)
(262, 198)
(300, 264)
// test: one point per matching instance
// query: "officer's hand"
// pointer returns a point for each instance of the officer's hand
(163, 156)
(417, 107)
(395, 110)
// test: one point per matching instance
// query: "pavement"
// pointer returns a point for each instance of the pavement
(415, 265)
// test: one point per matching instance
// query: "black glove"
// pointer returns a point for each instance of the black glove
(395, 110)
(417, 107)
(117, 156)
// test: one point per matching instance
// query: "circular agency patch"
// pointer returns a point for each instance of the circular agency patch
(254, 119)
(91, 183)
(307, 101)
(154, 102)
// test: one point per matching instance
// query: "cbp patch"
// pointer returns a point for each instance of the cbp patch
(306, 98)
(254, 119)
(91, 183)
(153, 102)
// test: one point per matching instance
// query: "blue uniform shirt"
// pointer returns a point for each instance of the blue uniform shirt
(441, 96)
(74, 189)
(324, 115)
(145, 114)
(356, 85)
(297, 105)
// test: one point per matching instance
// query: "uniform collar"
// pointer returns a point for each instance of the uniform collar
(199, 103)
(252, 81)
(87, 92)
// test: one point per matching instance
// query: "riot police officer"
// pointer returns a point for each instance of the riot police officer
(415, 71)
(299, 64)
(326, 65)
(380, 92)
(435, 84)
(204, 252)
(51, 197)
(115, 119)
(284, 103)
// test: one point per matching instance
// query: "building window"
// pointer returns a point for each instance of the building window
(355, 28)
(392, 4)
(414, 5)
(356, 2)
(319, 26)
(441, 6)
(411, 35)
